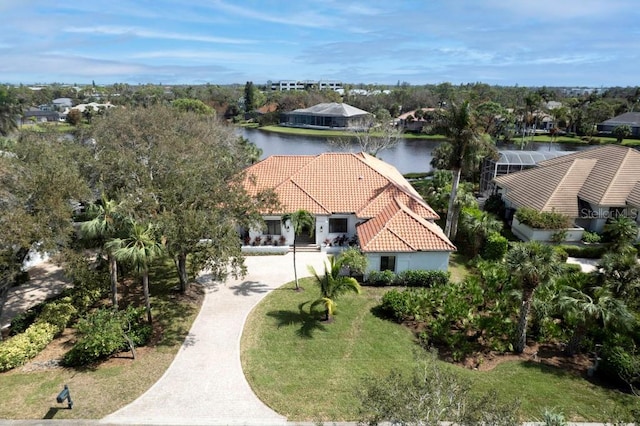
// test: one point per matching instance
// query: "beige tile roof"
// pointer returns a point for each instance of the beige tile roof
(552, 188)
(634, 196)
(398, 229)
(332, 183)
(601, 176)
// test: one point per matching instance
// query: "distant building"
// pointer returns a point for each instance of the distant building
(631, 119)
(328, 116)
(286, 85)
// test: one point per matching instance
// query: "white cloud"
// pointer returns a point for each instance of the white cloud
(144, 33)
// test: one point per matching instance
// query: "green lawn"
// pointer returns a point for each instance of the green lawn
(308, 370)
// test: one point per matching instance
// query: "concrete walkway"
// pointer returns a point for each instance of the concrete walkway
(205, 384)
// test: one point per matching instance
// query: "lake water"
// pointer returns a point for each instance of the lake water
(409, 155)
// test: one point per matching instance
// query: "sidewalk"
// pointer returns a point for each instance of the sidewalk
(47, 280)
(205, 384)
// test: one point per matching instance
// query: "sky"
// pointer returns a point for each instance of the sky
(593, 43)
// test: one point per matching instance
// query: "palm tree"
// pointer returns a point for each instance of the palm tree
(299, 221)
(9, 112)
(621, 232)
(588, 305)
(139, 249)
(479, 225)
(106, 225)
(459, 127)
(532, 264)
(332, 285)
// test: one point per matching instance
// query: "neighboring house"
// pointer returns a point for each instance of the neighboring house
(589, 186)
(414, 121)
(511, 161)
(286, 85)
(355, 199)
(631, 119)
(328, 116)
(35, 115)
(62, 103)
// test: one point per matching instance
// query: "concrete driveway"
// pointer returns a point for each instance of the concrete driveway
(205, 384)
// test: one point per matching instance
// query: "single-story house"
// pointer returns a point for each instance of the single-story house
(414, 121)
(631, 119)
(589, 186)
(356, 199)
(331, 115)
(38, 116)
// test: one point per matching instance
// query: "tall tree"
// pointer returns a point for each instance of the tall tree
(332, 285)
(249, 97)
(106, 224)
(300, 220)
(183, 172)
(458, 125)
(39, 179)
(140, 248)
(9, 112)
(531, 264)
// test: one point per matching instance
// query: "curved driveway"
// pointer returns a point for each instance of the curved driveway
(205, 384)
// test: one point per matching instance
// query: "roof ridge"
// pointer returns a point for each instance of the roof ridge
(432, 227)
(566, 174)
(623, 162)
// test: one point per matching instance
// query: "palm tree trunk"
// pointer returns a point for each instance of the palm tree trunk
(521, 332)
(145, 290)
(573, 346)
(182, 272)
(113, 273)
(295, 270)
(452, 199)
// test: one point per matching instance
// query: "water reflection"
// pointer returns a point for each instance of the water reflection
(409, 155)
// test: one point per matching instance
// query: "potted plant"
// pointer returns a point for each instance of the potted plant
(268, 241)
(282, 239)
(257, 240)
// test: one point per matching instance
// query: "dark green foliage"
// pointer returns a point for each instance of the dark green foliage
(23, 320)
(381, 278)
(495, 205)
(622, 364)
(542, 220)
(495, 247)
(422, 278)
(104, 333)
(403, 305)
(587, 252)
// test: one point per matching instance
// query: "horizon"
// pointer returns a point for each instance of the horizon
(576, 43)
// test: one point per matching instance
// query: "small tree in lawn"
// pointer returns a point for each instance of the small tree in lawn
(139, 249)
(299, 221)
(332, 285)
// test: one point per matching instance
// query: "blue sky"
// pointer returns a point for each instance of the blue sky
(504, 42)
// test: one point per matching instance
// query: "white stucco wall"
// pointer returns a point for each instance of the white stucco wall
(427, 260)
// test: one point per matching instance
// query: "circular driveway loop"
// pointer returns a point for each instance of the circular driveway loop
(205, 384)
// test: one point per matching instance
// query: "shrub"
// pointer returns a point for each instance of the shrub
(422, 278)
(21, 348)
(59, 313)
(588, 252)
(561, 253)
(622, 363)
(395, 305)
(102, 334)
(381, 278)
(542, 220)
(495, 247)
(353, 259)
(494, 204)
(591, 237)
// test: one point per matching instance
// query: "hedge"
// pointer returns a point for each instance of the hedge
(588, 252)
(410, 278)
(542, 220)
(21, 348)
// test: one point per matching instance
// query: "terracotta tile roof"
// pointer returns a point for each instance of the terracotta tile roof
(334, 183)
(398, 229)
(398, 219)
(602, 176)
